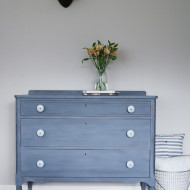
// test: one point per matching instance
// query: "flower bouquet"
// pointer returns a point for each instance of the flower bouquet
(100, 55)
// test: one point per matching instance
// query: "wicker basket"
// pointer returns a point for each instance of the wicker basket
(172, 180)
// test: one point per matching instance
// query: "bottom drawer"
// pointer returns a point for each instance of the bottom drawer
(84, 163)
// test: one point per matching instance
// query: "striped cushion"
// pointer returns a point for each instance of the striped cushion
(169, 145)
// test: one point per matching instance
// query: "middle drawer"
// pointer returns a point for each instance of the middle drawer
(86, 132)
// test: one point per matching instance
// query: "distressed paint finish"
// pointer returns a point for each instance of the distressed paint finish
(85, 108)
(85, 138)
(86, 132)
(84, 163)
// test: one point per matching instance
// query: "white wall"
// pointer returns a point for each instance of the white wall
(41, 48)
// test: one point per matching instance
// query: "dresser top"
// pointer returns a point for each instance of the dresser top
(80, 94)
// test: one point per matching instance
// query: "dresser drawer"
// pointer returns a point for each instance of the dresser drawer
(85, 163)
(86, 132)
(85, 108)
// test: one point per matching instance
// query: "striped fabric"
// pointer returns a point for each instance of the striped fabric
(169, 145)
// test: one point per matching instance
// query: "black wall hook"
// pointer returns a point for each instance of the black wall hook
(65, 3)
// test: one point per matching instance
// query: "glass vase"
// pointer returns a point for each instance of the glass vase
(101, 85)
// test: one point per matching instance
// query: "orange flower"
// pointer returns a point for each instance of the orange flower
(99, 47)
(115, 52)
(107, 51)
(96, 53)
(90, 50)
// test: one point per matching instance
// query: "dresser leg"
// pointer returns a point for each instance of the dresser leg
(29, 185)
(143, 186)
(18, 187)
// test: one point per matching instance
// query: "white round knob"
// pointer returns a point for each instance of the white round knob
(40, 108)
(40, 163)
(40, 133)
(130, 133)
(130, 164)
(131, 109)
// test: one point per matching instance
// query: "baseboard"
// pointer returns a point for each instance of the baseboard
(75, 186)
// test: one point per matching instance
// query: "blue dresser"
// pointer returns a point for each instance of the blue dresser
(71, 136)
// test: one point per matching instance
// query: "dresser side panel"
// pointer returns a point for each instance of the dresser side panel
(18, 141)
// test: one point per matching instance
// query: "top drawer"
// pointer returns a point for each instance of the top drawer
(85, 108)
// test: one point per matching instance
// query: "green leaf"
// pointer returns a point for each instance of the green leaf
(102, 51)
(99, 43)
(85, 59)
(101, 62)
(114, 58)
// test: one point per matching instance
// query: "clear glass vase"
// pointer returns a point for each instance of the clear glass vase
(101, 85)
